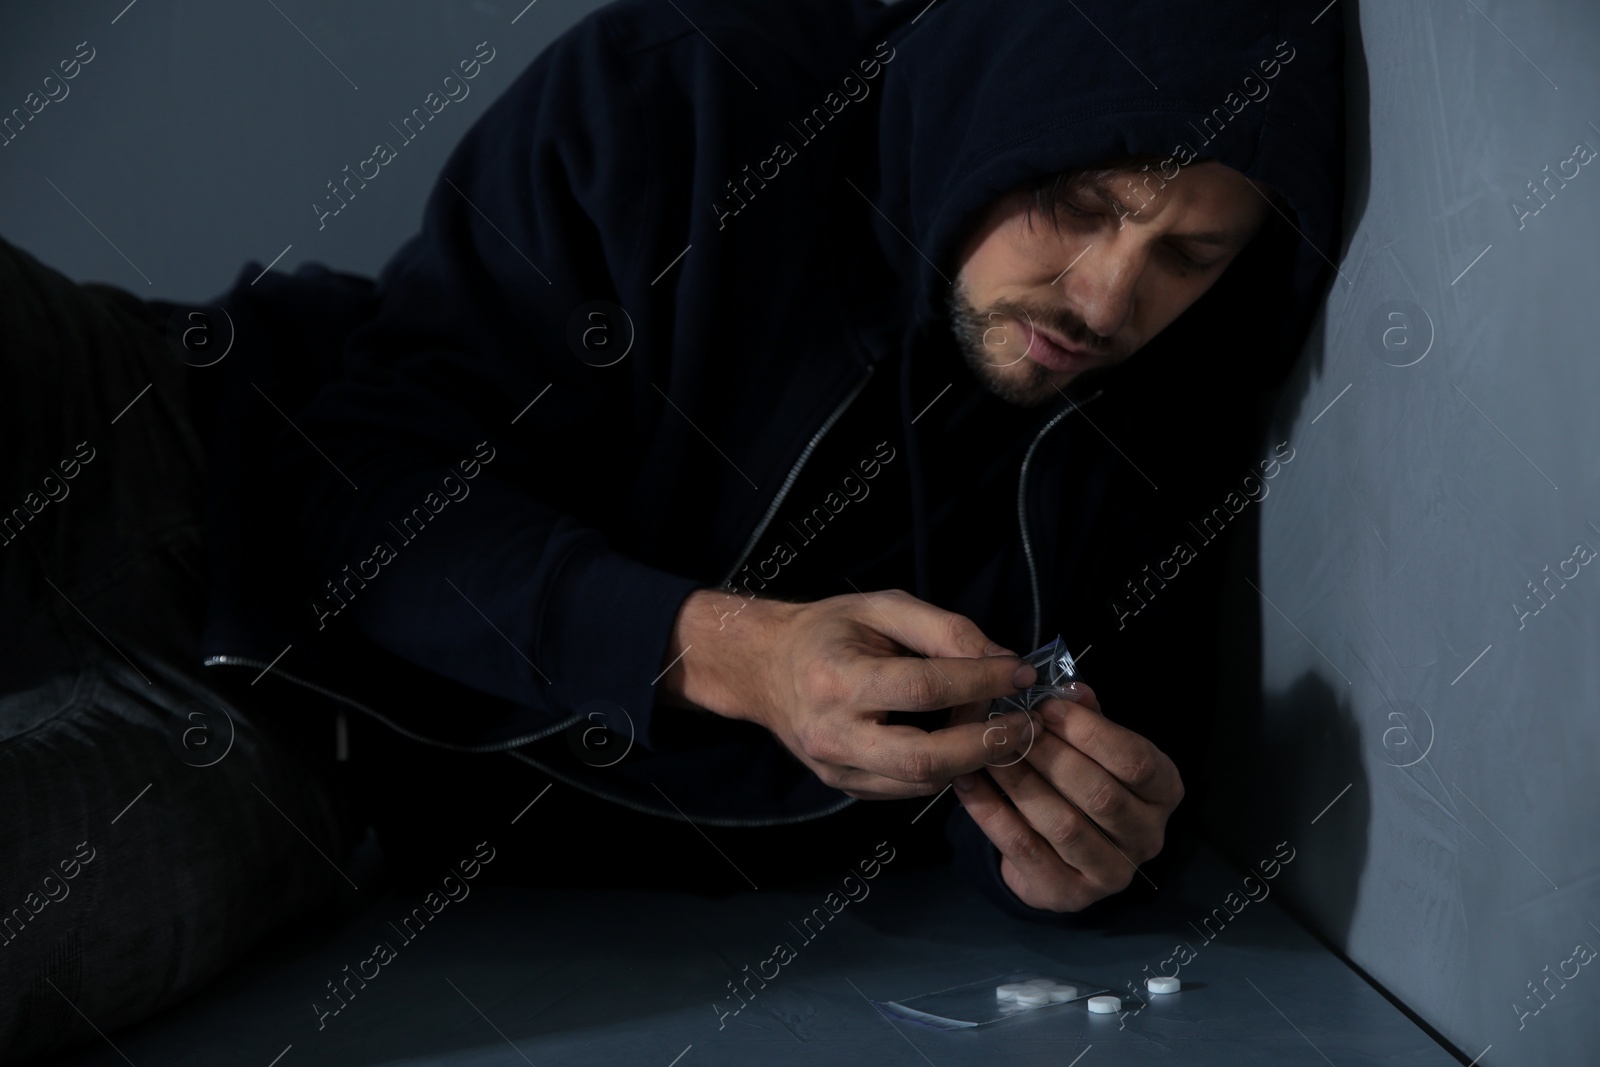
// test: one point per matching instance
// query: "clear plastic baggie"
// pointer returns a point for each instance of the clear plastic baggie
(981, 1003)
(1057, 675)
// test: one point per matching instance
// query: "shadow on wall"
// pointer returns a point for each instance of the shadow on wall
(1290, 770)
(1286, 765)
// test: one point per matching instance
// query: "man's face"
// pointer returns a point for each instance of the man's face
(1033, 306)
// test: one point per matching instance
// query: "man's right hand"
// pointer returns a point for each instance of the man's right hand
(823, 676)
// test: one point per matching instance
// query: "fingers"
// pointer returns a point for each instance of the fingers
(1071, 833)
(900, 774)
(958, 663)
(925, 628)
(911, 683)
(1081, 693)
(976, 711)
(1133, 760)
(1136, 826)
(906, 754)
(1042, 878)
(1008, 736)
(863, 785)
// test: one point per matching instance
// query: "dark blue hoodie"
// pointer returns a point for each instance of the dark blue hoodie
(655, 273)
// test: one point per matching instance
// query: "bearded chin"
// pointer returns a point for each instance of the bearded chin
(1023, 383)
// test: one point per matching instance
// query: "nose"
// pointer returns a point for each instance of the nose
(1105, 290)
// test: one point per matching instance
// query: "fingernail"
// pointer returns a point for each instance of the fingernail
(1024, 676)
(996, 650)
(962, 782)
(1052, 711)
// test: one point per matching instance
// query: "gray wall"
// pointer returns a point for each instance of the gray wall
(1462, 859)
(200, 134)
(1462, 461)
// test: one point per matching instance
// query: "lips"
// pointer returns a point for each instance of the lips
(1052, 350)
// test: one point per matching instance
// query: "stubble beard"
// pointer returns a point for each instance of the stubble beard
(1015, 379)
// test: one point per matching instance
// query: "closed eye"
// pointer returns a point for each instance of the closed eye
(1189, 261)
(1185, 260)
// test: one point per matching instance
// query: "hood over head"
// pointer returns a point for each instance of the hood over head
(985, 96)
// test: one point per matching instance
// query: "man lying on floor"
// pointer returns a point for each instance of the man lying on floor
(763, 380)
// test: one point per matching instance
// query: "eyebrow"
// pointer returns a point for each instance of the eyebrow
(1220, 238)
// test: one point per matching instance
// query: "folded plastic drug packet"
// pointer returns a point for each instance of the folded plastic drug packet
(1057, 673)
(981, 1003)
(1057, 677)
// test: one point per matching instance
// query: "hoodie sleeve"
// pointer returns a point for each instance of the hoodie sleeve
(447, 479)
(978, 862)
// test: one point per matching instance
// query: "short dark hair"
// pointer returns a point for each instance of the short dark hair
(1046, 193)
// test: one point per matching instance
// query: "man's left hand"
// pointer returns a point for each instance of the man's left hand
(1087, 803)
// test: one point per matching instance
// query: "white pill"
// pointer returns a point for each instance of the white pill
(1010, 990)
(1162, 984)
(1104, 1005)
(1060, 994)
(1040, 983)
(1033, 998)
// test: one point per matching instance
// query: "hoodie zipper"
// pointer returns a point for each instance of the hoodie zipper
(516, 742)
(1022, 510)
(794, 472)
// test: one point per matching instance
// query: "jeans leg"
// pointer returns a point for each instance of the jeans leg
(151, 827)
(152, 832)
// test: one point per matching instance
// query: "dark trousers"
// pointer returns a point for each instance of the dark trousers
(156, 821)
(152, 827)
